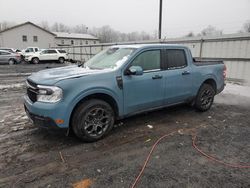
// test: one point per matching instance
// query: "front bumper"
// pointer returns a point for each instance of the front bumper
(41, 121)
(45, 114)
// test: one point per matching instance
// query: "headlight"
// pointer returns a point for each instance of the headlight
(50, 94)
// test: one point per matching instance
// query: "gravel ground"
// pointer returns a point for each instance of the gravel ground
(32, 157)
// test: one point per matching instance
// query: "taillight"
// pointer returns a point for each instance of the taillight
(224, 72)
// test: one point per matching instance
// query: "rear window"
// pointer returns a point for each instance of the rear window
(176, 59)
(51, 52)
(29, 50)
(62, 51)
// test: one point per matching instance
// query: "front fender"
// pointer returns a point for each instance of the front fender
(89, 92)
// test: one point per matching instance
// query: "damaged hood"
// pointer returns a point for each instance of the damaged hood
(51, 76)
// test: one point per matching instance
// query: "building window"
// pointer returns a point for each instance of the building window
(25, 38)
(62, 41)
(35, 39)
(72, 42)
(87, 42)
(81, 42)
(94, 42)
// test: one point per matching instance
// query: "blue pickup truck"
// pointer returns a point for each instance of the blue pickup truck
(119, 82)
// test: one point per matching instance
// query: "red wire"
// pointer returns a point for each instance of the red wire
(148, 157)
(195, 147)
(215, 159)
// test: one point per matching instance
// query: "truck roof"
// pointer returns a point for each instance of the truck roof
(148, 45)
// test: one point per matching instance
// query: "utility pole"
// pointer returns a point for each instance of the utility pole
(160, 18)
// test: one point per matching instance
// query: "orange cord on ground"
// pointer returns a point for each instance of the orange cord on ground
(215, 159)
(148, 157)
(194, 138)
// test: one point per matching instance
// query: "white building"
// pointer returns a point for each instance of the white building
(76, 39)
(29, 34)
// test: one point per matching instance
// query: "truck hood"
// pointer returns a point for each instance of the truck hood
(51, 76)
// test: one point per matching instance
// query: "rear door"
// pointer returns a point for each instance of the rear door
(178, 76)
(53, 55)
(142, 92)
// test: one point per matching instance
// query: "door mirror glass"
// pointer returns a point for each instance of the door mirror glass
(135, 70)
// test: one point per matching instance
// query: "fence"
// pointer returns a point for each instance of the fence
(234, 50)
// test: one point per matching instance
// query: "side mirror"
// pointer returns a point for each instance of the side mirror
(134, 70)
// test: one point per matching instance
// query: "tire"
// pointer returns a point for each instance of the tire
(92, 120)
(35, 60)
(61, 60)
(11, 61)
(204, 98)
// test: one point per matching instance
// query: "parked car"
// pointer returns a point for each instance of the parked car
(119, 82)
(11, 58)
(48, 55)
(29, 51)
(12, 50)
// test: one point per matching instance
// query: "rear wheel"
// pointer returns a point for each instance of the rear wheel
(61, 60)
(11, 62)
(92, 120)
(35, 60)
(205, 98)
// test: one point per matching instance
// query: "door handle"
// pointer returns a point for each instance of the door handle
(185, 72)
(157, 77)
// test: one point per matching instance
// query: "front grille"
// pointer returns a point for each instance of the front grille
(32, 90)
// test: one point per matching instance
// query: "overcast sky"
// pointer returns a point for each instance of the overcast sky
(179, 16)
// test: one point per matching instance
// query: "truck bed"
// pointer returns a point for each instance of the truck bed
(203, 62)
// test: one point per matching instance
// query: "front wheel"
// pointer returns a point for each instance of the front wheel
(35, 60)
(92, 120)
(205, 98)
(11, 62)
(61, 60)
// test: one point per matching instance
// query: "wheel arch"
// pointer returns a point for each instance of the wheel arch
(211, 82)
(101, 96)
(12, 59)
(35, 57)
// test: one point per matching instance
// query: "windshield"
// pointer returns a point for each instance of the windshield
(110, 58)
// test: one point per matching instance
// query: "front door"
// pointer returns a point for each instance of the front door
(146, 91)
(44, 55)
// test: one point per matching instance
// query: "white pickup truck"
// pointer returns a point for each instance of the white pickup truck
(47, 55)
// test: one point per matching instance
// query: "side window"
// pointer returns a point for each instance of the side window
(149, 60)
(36, 49)
(52, 52)
(176, 59)
(44, 52)
(35, 39)
(29, 50)
(24, 38)
(5, 53)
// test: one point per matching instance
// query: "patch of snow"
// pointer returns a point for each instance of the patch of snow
(12, 86)
(238, 90)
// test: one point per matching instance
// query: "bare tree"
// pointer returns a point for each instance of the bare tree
(5, 25)
(190, 34)
(210, 31)
(80, 29)
(246, 26)
(44, 25)
(60, 27)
